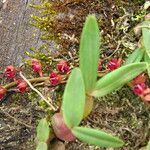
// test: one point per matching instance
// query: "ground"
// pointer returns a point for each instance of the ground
(120, 113)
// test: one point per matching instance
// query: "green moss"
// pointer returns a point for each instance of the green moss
(44, 20)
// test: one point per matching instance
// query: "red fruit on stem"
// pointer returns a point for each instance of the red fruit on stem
(10, 71)
(37, 66)
(2, 92)
(139, 88)
(63, 66)
(60, 129)
(22, 86)
(54, 78)
(114, 64)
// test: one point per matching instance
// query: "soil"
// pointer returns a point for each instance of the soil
(120, 113)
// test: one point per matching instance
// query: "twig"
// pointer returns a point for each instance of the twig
(118, 45)
(16, 120)
(34, 89)
(34, 80)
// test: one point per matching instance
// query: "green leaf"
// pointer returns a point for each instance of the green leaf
(136, 56)
(74, 99)
(43, 130)
(148, 146)
(96, 137)
(117, 78)
(146, 36)
(146, 58)
(42, 146)
(89, 52)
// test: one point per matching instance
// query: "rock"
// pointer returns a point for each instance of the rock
(57, 146)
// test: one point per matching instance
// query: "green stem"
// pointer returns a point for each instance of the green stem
(34, 80)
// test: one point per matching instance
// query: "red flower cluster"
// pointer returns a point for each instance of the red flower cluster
(64, 68)
(138, 84)
(22, 86)
(10, 71)
(139, 88)
(37, 66)
(139, 79)
(114, 64)
(54, 78)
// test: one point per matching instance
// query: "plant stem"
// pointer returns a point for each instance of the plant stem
(34, 80)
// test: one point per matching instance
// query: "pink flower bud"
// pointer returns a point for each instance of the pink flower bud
(10, 71)
(63, 66)
(139, 88)
(54, 78)
(114, 64)
(2, 92)
(22, 86)
(36, 66)
(60, 129)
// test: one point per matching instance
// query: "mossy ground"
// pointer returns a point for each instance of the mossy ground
(120, 113)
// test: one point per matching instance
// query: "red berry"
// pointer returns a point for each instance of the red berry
(139, 88)
(10, 71)
(114, 64)
(22, 86)
(63, 66)
(37, 66)
(2, 92)
(54, 78)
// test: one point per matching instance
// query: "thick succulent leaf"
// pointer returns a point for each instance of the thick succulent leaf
(43, 130)
(146, 36)
(96, 137)
(74, 99)
(42, 146)
(135, 57)
(89, 52)
(117, 78)
(148, 146)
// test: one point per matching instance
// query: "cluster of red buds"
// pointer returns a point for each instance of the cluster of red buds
(139, 84)
(54, 78)
(63, 68)
(10, 72)
(112, 64)
(140, 88)
(37, 67)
